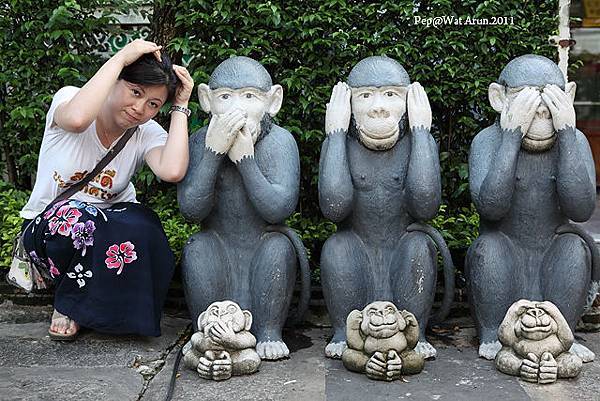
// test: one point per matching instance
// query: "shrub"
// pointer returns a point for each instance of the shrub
(12, 201)
(46, 44)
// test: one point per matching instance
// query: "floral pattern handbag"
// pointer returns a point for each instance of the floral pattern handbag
(23, 273)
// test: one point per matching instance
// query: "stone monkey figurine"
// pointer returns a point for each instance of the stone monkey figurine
(242, 183)
(379, 176)
(530, 173)
(223, 345)
(381, 342)
(535, 340)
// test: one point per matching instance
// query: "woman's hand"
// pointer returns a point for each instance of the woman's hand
(136, 49)
(185, 87)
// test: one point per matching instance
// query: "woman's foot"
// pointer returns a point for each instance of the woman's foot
(62, 327)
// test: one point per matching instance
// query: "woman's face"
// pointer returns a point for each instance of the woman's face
(133, 104)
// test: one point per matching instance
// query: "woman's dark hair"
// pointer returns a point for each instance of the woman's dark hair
(147, 70)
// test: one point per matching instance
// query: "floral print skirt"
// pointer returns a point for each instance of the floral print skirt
(111, 268)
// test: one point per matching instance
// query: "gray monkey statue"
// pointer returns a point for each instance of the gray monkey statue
(530, 173)
(535, 340)
(379, 179)
(242, 183)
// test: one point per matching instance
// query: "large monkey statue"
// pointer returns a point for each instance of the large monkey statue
(379, 179)
(381, 342)
(530, 173)
(223, 345)
(535, 340)
(241, 184)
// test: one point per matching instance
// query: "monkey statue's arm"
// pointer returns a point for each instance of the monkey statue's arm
(192, 357)
(576, 181)
(423, 180)
(576, 178)
(195, 193)
(224, 336)
(563, 331)
(411, 332)
(240, 341)
(492, 170)
(354, 338)
(272, 176)
(336, 192)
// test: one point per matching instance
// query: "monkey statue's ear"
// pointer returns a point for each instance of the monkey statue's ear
(200, 322)
(275, 100)
(204, 94)
(497, 96)
(248, 316)
(570, 89)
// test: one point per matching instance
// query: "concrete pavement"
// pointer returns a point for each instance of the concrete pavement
(101, 367)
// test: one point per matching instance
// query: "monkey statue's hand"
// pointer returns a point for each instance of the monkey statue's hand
(530, 368)
(419, 110)
(548, 369)
(520, 112)
(337, 116)
(224, 335)
(394, 366)
(221, 366)
(204, 368)
(376, 367)
(223, 130)
(561, 107)
(243, 146)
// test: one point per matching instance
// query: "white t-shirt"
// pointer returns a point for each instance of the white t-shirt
(66, 157)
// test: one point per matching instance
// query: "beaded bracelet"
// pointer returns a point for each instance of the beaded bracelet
(181, 109)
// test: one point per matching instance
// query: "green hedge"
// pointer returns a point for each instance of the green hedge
(307, 47)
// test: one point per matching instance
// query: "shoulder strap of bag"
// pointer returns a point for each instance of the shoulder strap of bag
(73, 189)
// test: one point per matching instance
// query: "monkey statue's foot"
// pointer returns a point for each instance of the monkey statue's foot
(583, 352)
(335, 349)
(272, 350)
(425, 349)
(489, 350)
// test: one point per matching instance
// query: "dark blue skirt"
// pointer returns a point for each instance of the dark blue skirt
(111, 268)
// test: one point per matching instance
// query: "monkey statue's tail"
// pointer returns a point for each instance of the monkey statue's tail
(437, 238)
(304, 300)
(589, 241)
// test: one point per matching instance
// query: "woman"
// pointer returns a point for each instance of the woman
(108, 255)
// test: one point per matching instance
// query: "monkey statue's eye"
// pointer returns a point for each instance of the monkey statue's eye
(365, 95)
(389, 93)
(249, 95)
(389, 309)
(214, 312)
(231, 309)
(225, 96)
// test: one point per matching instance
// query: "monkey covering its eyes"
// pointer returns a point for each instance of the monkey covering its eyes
(535, 341)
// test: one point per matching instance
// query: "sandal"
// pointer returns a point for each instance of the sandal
(61, 336)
